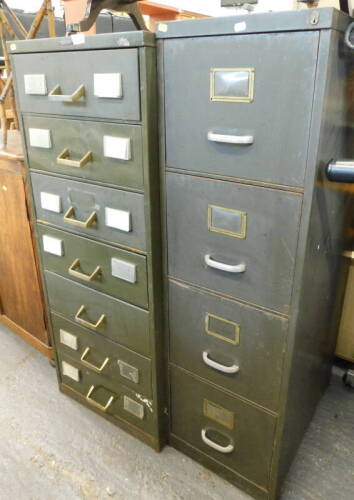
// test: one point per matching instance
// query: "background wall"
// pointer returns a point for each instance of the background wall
(210, 7)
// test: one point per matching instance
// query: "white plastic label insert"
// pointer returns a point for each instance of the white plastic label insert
(118, 219)
(108, 85)
(51, 202)
(53, 245)
(35, 85)
(117, 147)
(70, 371)
(68, 339)
(39, 138)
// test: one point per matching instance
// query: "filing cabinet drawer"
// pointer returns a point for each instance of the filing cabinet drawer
(109, 398)
(234, 119)
(126, 324)
(107, 269)
(235, 239)
(104, 152)
(231, 345)
(237, 435)
(109, 214)
(113, 362)
(102, 84)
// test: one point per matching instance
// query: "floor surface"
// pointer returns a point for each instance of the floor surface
(51, 448)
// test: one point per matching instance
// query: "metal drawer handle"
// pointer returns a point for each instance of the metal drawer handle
(88, 324)
(98, 369)
(56, 94)
(222, 449)
(218, 366)
(73, 271)
(64, 159)
(245, 140)
(70, 213)
(240, 268)
(94, 403)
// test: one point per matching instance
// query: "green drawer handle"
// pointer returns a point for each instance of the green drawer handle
(88, 324)
(98, 369)
(64, 159)
(57, 95)
(222, 449)
(73, 271)
(94, 403)
(69, 218)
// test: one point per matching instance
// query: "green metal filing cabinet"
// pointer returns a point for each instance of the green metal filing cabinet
(89, 123)
(253, 109)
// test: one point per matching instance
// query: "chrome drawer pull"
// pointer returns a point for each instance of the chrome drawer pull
(88, 324)
(240, 268)
(94, 403)
(231, 139)
(218, 366)
(73, 271)
(56, 94)
(64, 159)
(70, 213)
(222, 449)
(98, 369)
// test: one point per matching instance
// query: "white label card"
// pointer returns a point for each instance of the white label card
(108, 85)
(53, 245)
(123, 270)
(39, 138)
(35, 84)
(117, 147)
(118, 219)
(70, 371)
(68, 339)
(51, 202)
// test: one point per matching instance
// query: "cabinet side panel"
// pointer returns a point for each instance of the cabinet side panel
(320, 280)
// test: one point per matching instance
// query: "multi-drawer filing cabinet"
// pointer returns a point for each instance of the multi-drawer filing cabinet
(253, 109)
(89, 123)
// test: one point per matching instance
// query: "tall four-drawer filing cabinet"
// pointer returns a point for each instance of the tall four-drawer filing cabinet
(89, 123)
(253, 110)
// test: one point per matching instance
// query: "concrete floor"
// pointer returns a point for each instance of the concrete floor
(53, 448)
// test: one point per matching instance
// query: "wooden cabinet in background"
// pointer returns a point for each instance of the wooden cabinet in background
(21, 298)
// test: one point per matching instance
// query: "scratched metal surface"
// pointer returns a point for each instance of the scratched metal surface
(53, 448)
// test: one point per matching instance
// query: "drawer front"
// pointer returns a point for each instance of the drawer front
(107, 269)
(112, 362)
(233, 346)
(235, 239)
(126, 324)
(103, 152)
(234, 119)
(111, 399)
(207, 419)
(105, 86)
(109, 214)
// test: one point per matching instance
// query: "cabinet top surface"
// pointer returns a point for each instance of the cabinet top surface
(295, 20)
(81, 41)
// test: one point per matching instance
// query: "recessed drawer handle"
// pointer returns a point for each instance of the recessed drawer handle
(56, 94)
(222, 449)
(98, 369)
(68, 217)
(64, 159)
(240, 268)
(88, 324)
(94, 403)
(218, 366)
(231, 139)
(73, 271)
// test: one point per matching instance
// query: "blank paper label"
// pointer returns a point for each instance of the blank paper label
(39, 138)
(70, 371)
(53, 245)
(51, 202)
(35, 84)
(123, 270)
(117, 147)
(118, 219)
(68, 339)
(108, 85)
(133, 407)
